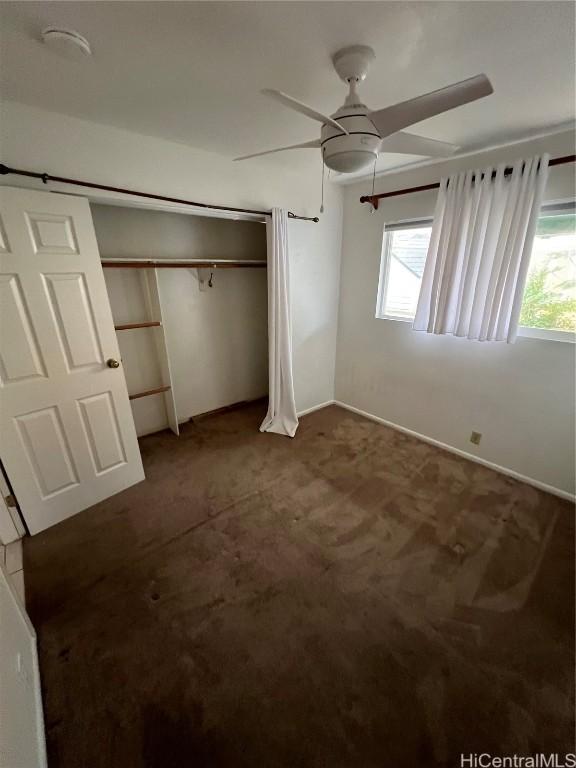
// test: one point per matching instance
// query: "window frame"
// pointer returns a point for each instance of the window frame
(556, 207)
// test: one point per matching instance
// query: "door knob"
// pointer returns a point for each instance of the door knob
(111, 363)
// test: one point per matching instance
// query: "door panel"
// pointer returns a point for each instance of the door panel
(52, 235)
(101, 426)
(74, 320)
(47, 451)
(67, 436)
(4, 246)
(22, 359)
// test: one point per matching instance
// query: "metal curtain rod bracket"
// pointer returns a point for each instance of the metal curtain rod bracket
(374, 199)
(315, 219)
(46, 177)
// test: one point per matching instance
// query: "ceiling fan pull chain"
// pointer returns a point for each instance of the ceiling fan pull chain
(322, 202)
(373, 180)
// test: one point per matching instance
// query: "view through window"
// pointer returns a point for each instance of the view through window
(403, 259)
(550, 293)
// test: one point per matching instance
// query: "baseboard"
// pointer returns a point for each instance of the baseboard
(225, 409)
(315, 408)
(464, 454)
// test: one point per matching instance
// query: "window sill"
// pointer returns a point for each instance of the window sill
(543, 333)
(524, 331)
(395, 317)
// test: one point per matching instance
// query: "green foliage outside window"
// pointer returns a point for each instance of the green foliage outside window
(545, 306)
(550, 293)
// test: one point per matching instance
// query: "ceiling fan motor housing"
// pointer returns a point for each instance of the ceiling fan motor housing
(355, 151)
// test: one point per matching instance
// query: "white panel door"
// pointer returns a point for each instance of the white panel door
(67, 437)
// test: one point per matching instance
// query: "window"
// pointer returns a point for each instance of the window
(549, 307)
(550, 294)
(403, 258)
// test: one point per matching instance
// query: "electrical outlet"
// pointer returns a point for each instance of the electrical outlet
(475, 438)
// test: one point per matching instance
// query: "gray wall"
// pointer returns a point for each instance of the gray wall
(147, 234)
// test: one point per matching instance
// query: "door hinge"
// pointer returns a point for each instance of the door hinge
(10, 500)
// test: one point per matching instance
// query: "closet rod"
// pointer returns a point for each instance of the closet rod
(181, 263)
(373, 199)
(46, 177)
(147, 392)
(132, 326)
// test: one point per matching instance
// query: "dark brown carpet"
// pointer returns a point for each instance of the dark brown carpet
(352, 598)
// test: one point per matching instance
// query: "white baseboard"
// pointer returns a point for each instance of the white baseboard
(315, 408)
(470, 456)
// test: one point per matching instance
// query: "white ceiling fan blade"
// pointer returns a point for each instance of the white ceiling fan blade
(394, 118)
(304, 109)
(315, 144)
(410, 144)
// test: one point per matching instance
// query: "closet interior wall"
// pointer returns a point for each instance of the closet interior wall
(215, 338)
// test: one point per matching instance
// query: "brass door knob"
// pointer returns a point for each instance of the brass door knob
(111, 363)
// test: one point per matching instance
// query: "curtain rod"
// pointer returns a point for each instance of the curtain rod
(373, 199)
(183, 263)
(46, 177)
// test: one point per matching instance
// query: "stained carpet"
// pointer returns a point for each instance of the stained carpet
(352, 598)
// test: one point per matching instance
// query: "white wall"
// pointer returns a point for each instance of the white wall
(217, 339)
(521, 396)
(9, 530)
(39, 140)
(21, 725)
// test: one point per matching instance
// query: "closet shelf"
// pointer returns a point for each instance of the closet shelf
(129, 326)
(182, 263)
(147, 392)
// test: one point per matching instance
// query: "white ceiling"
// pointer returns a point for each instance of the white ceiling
(192, 72)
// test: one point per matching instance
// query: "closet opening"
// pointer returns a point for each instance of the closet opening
(188, 295)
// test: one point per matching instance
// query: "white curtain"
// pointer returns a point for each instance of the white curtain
(281, 416)
(479, 252)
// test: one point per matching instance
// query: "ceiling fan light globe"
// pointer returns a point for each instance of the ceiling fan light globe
(351, 161)
(352, 153)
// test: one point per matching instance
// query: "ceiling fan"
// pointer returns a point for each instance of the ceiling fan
(354, 135)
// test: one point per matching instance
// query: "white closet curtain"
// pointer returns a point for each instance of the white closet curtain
(281, 416)
(479, 252)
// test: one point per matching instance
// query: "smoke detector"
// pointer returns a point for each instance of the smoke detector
(67, 42)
